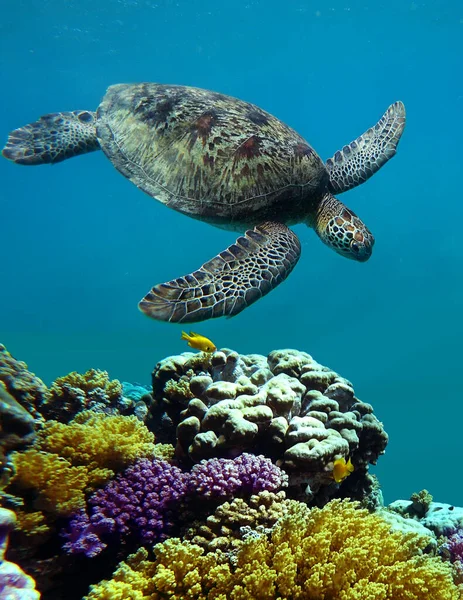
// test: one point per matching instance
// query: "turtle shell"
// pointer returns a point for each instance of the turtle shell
(210, 156)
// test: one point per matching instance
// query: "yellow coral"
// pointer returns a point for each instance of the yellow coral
(93, 378)
(342, 552)
(32, 524)
(180, 571)
(59, 486)
(68, 461)
(222, 530)
(98, 440)
(339, 552)
(164, 451)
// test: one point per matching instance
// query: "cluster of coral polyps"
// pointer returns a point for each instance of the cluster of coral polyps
(286, 406)
(208, 515)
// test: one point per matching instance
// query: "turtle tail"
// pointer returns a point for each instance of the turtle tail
(53, 138)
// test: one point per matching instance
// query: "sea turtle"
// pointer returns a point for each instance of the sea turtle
(227, 162)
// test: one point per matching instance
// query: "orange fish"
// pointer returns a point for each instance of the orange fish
(342, 469)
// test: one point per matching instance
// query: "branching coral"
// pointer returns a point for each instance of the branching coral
(421, 502)
(144, 501)
(225, 478)
(57, 485)
(339, 552)
(33, 525)
(95, 439)
(69, 461)
(342, 552)
(231, 521)
(87, 382)
(75, 392)
(452, 549)
(181, 571)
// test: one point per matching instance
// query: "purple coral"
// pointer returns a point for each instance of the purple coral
(144, 500)
(454, 547)
(140, 501)
(14, 583)
(224, 478)
(84, 536)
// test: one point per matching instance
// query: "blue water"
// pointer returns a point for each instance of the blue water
(81, 245)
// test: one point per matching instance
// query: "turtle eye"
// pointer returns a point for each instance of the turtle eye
(355, 247)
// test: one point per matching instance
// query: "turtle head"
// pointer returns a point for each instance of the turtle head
(341, 229)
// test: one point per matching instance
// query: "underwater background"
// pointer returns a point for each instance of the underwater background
(81, 245)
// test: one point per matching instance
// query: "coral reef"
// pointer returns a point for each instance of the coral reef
(339, 551)
(452, 550)
(220, 478)
(52, 479)
(147, 499)
(181, 571)
(17, 426)
(237, 500)
(140, 502)
(286, 406)
(14, 583)
(58, 487)
(98, 440)
(94, 390)
(442, 519)
(232, 521)
(24, 386)
(75, 392)
(67, 461)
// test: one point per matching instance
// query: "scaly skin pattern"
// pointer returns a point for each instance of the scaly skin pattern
(234, 279)
(53, 138)
(341, 229)
(210, 156)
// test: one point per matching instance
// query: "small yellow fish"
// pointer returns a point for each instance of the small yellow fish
(199, 342)
(342, 469)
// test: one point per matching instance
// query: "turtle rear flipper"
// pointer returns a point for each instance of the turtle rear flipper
(358, 161)
(53, 138)
(234, 279)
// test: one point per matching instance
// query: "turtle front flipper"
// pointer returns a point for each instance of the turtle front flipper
(53, 138)
(224, 286)
(358, 161)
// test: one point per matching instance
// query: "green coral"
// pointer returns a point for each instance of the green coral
(421, 502)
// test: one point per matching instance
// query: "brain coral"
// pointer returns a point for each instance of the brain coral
(286, 406)
(338, 552)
